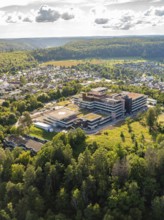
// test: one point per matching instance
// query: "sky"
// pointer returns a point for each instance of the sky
(65, 18)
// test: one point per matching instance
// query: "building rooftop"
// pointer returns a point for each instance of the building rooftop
(35, 145)
(28, 142)
(62, 113)
(99, 89)
(91, 116)
(134, 95)
(111, 100)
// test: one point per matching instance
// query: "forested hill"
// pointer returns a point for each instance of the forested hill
(19, 44)
(23, 44)
(16, 61)
(78, 48)
(6, 46)
(146, 47)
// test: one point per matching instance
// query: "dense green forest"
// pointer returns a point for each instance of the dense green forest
(16, 61)
(145, 47)
(97, 183)
(129, 47)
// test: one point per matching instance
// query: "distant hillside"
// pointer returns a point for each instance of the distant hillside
(31, 43)
(76, 48)
(8, 46)
(36, 43)
(146, 47)
(15, 61)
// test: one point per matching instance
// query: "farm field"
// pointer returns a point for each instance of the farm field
(69, 63)
(109, 62)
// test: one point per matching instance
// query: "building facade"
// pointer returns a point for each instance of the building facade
(115, 104)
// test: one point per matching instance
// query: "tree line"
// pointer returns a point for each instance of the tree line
(146, 47)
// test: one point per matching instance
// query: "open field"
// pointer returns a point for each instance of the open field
(161, 119)
(69, 63)
(1, 101)
(110, 62)
(111, 136)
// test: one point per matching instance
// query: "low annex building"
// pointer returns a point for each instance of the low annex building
(27, 143)
(93, 120)
(61, 117)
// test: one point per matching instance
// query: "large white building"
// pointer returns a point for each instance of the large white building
(115, 104)
(101, 108)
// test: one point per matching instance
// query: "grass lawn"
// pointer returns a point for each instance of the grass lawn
(63, 103)
(40, 133)
(109, 138)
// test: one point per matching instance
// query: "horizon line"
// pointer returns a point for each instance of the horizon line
(87, 36)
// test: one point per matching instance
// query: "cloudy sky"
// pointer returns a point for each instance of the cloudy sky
(54, 18)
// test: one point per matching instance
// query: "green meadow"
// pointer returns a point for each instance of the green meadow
(111, 137)
(40, 133)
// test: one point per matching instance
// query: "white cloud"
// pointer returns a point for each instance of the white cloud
(27, 19)
(47, 14)
(67, 16)
(101, 20)
(128, 19)
(155, 11)
(44, 15)
(6, 3)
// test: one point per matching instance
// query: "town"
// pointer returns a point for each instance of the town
(91, 107)
(50, 77)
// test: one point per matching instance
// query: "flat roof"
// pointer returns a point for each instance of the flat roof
(110, 99)
(30, 143)
(62, 113)
(152, 100)
(98, 89)
(134, 95)
(35, 145)
(91, 116)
